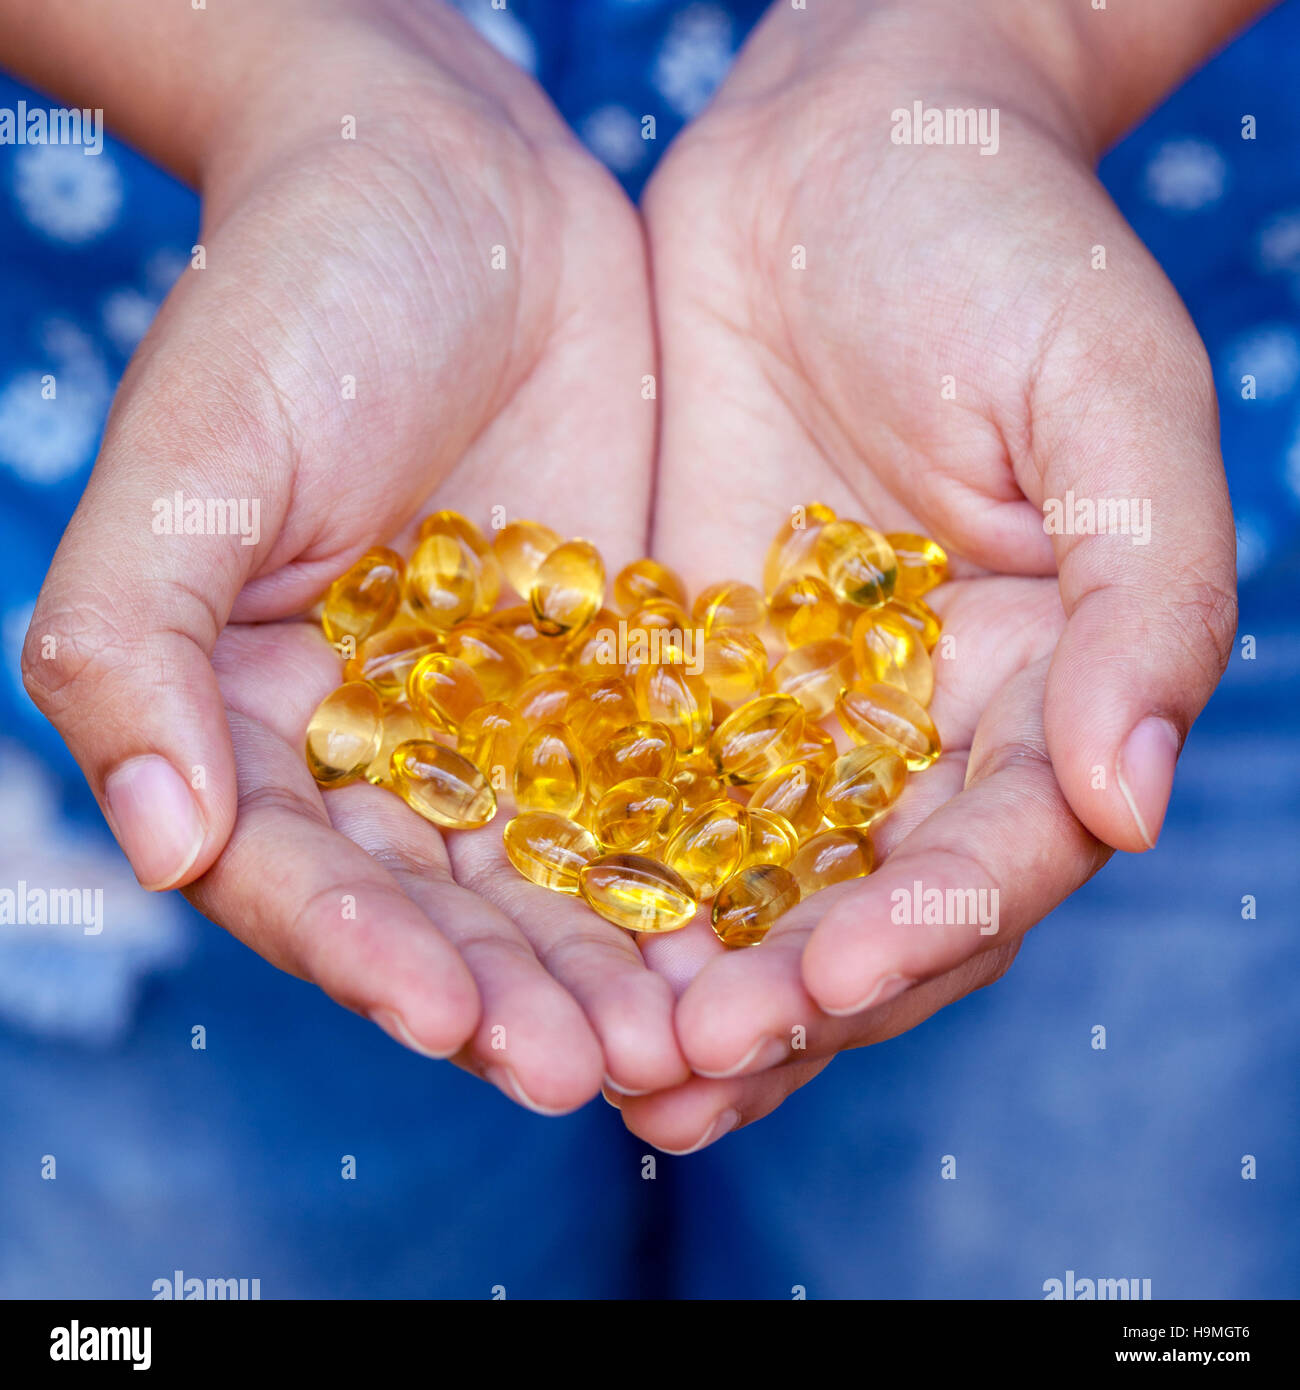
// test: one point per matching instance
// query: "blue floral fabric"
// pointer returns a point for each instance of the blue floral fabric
(1116, 1163)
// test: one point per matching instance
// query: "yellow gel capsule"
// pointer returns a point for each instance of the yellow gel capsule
(491, 737)
(569, 588)
(729, 604)
(816, 749)
(834, 856)
(793, 549)
(520, 626)
(549, 850)
(658, 615)
(401, 725)
(857, 563)
(449, 523)
(344, 734)
(441, 785)
(643, 580)
(442, 581)
(550, 772)
(637, 814)
(793, 792)
(922, 563)
(697, 786)
(804, 610)
(862, 785)
(498, 661)
(757, 738)
(815, 674)
(709, 846)
(600, 708)
(748, 903)
(886, 650)
(887, 715)
(919, 616)
(735, 666)
(443, 691)
(365, 598)
(643, 749)
(594, 652)
(520, 547)
(384, 660)
(672, 696)
(546, 697)
(637, 893)
(772, 839)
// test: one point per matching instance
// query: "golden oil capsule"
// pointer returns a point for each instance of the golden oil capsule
(886, 650)
(816, 749)
(441, 785)
(793, 549)
(520, 626)
(815, 674)
(449, 523)
(772, 839)
(550, 771)
(549, 850)
(593, 652)
(750, 901)
(638, 814)
(660, 615)
(862, 785)
(729, 604)
(401, 725)
(709, 846)
(643, 749)
(442, 581)
(498, 661)
(546, 697)
(735, 666)
(643, 580)
(344, 734)
(834, 856)
(887, 715)
(491, 737)
(636, 892)
(569, 588)
(757, 738)
(697, 786)
(922, 563)
(857, 563)
(443, 691)
(804, 610)
(794, 793)
(365, 598)
(670, 695)
(919, 616)
(384, 659)
(600, 708)
(520, 547)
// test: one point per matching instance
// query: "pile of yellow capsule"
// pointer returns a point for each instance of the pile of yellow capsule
(657, 756)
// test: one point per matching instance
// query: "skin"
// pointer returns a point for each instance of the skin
(522, 387)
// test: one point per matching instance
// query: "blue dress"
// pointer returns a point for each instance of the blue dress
(228, 1161)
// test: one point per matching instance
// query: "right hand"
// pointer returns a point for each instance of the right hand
(156, 656)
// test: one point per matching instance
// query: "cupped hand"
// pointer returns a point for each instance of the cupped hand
(416, 290)
(933, 339)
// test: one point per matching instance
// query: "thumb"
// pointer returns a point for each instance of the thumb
(117, 655)
(1137, 505)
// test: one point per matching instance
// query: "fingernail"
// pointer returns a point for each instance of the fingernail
(155, 819)
(724, 1124)
(508, 1083)
(766, 1052)
(622, 1090)
(1146, 774)
(395, 1026)
(886, 988)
